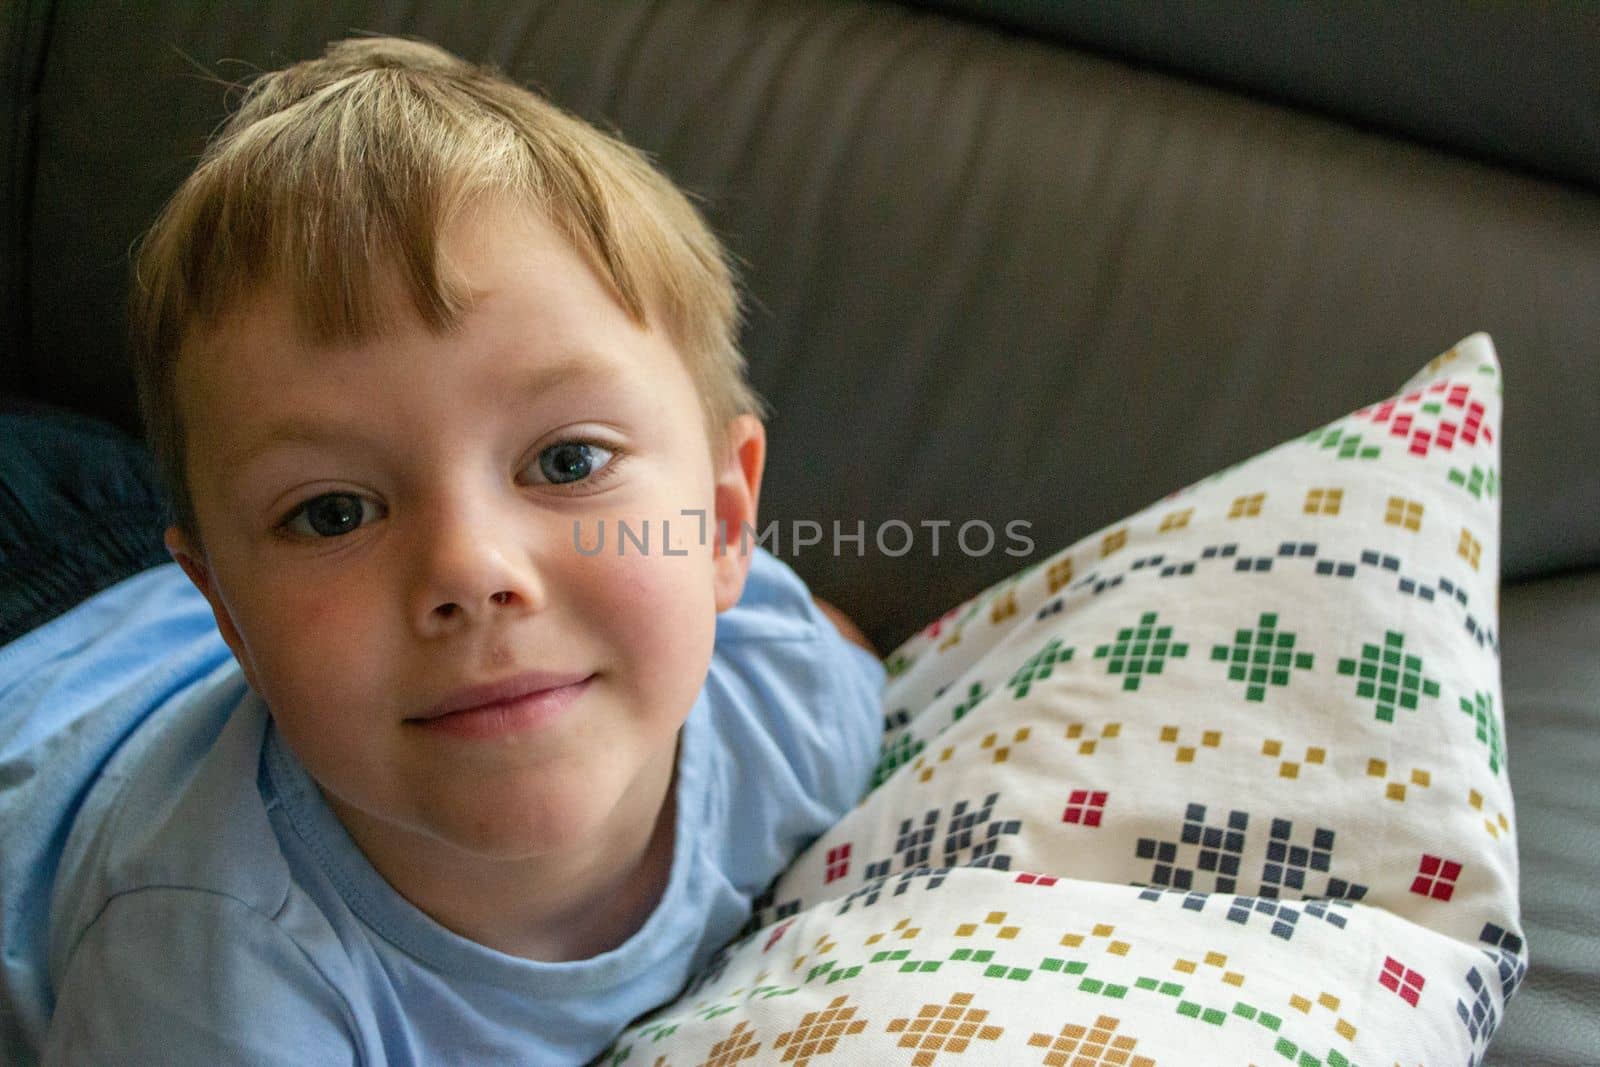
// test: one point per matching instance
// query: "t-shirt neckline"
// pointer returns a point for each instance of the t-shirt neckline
(395, 919)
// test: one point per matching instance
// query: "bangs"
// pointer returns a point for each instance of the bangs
(339, 202)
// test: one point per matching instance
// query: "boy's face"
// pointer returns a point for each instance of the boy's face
(388, 527)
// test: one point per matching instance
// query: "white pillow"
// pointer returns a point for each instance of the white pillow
(1222, 783)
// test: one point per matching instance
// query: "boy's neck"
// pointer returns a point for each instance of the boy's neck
(547, 910)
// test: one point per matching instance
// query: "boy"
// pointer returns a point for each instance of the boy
(410, 341)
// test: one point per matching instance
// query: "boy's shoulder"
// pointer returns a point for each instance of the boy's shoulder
(177, 812)
(130, 791)
(130, 741)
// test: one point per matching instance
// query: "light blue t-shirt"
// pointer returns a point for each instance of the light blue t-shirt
(174, 890)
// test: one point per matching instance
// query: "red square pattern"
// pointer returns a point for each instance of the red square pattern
(838, 862)
(1401, 979)
(1436, 877)
(1084, 807)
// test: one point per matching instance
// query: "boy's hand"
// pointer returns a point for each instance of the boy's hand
(850, 631)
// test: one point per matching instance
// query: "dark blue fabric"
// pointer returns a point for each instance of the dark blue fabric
(80, 510)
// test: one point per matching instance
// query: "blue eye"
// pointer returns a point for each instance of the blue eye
(331, 515)
(573, 461)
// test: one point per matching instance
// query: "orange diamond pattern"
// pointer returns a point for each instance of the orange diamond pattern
(1090, 1046)
(738, 1046)
(944, 1028)
(819, 1032)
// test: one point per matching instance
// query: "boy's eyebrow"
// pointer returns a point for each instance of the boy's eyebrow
(289, 432)
(580, 367)
(576, 369)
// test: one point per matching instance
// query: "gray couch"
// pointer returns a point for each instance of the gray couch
(1008, 260)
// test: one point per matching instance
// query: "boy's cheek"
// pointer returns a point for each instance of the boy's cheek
(663, 610)
(620, 591)
(303, 621)
(308, 646)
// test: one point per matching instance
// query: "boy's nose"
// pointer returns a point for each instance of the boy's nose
(472, 572)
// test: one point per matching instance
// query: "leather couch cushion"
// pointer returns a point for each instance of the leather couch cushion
(1552, 687)
(1443, 72)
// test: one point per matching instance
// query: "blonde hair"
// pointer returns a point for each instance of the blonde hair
(336, 175)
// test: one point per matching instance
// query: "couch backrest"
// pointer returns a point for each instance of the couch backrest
(994, 277)
(1462, 76)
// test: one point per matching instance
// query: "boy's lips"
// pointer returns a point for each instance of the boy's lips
(502, 692)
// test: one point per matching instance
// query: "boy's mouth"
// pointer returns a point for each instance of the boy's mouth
(495, 707)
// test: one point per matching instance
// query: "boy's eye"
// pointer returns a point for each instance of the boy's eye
(331, 515)
(572, 461)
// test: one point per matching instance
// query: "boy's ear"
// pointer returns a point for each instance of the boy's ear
(738, 491)
(192, 560)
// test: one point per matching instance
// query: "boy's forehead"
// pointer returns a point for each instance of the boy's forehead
(261, 346)
(264, 340)
(489, 248)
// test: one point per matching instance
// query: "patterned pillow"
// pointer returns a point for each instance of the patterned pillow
(1223, 783)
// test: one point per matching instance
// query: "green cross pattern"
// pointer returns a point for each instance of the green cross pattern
(901, 750)
(1038, 666)
(1141, 651)
(1390, 675)
(1481, 708)
(1348, 444)
(1261, 658)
